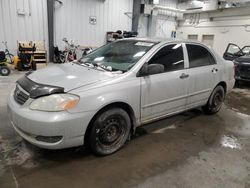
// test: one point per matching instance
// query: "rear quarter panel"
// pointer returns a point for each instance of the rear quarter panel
(226, 72)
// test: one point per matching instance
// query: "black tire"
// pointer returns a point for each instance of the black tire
(61, 58)
(19, 66)
(215, 101)
(4, 71)
(237, 83)
(109, 131)
(33, 66)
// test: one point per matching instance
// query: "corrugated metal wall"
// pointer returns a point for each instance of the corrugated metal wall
(143, 26)
(72, 20)
(30, 24)
(164, 27)
(165, 21)
(168, 3)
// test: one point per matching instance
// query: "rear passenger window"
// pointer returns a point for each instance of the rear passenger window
(199, 56)
(171, 57)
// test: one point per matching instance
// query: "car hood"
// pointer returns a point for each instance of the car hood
(245, 58)
(69, 76)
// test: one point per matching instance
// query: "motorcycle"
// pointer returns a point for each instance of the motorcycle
(69, 54)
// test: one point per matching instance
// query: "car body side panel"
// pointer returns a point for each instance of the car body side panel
(162, 94)
(204, 79)
(94, 99)
(200, 85)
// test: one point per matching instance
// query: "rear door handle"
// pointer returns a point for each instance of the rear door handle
(214, 70)
(183, 76)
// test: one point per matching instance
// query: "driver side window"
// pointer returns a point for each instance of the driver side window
(171, 57)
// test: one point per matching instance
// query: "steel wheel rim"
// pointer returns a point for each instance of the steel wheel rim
(217, 100)
(112, 132)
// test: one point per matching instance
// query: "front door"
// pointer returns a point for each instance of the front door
(164, 93)
(232, 52)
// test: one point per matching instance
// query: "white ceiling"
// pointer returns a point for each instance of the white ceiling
(229, 1)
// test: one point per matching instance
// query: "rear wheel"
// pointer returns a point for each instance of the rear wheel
(4, 71)
(215, 100)
(109, 131)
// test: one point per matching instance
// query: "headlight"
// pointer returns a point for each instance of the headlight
(55, 102)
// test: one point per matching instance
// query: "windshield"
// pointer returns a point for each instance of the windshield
(246, 50)
(120, 55)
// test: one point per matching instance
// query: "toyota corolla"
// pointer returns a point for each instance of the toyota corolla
(100, 99)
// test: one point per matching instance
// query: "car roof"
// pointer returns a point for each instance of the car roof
(162, 40)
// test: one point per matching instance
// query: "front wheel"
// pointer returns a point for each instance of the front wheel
(215, 101)
(109, 131)
(4, 71)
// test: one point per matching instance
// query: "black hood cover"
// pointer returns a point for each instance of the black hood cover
(37, 90)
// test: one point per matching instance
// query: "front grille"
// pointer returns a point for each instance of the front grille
(244, 70)
(19, 96)
(49, 139)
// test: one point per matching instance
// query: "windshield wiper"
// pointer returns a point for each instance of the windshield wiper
(102, 67)
(94, 66)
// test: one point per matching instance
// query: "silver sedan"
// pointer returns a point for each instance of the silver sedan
(102, 98)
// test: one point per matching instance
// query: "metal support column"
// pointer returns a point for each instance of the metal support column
(50, 13)
(136, 14)
(152, 23)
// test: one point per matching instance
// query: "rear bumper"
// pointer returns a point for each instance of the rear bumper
(230, 85)
(50, 130)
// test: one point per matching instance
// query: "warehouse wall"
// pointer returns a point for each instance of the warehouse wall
(72, 20)
(230, 26)
(165, 25)
(143, 26)
(30, 24)
(166, 22)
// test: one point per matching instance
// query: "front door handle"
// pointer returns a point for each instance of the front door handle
(183, 76)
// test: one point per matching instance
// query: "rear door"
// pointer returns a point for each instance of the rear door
(232, 51)
(202, 71)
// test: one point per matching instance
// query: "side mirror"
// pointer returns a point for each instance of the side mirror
(151, 69)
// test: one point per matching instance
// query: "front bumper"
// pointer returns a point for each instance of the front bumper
(239, 78)
(57, 129)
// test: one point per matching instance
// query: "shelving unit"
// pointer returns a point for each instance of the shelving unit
(40, 55)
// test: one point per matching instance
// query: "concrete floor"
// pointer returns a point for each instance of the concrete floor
(190, 150)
